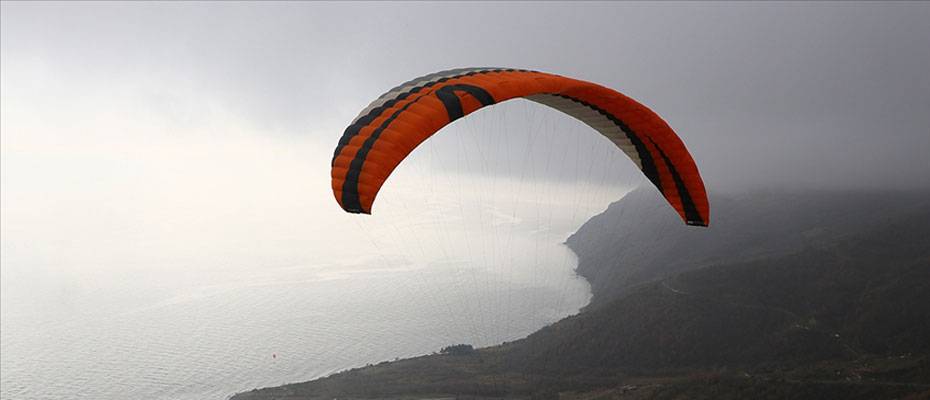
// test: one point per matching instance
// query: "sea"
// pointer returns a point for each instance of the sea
(207, 308)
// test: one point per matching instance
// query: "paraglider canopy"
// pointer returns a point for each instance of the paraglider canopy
(388, 130)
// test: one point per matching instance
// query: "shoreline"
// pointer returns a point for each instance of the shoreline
(575, 271)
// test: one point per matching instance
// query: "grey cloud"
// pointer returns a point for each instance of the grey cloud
(825, 94)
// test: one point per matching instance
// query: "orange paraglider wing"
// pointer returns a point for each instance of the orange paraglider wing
(393, 125)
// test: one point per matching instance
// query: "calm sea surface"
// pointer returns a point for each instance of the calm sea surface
(402, 287)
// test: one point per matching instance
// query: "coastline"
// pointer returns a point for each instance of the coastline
(576, 271)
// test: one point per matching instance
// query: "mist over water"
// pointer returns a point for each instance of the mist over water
(454, 272)
(147, 256)
(167, 227)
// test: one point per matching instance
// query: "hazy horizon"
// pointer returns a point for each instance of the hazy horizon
(166, 156)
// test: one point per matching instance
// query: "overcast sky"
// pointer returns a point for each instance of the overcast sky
(154, 151)
(779, 94)
(133, 131)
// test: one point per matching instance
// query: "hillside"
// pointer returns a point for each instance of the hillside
(787, 296)
(638, 239)
(868, 294)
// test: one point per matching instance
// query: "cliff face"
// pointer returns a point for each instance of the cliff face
(805, 295)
